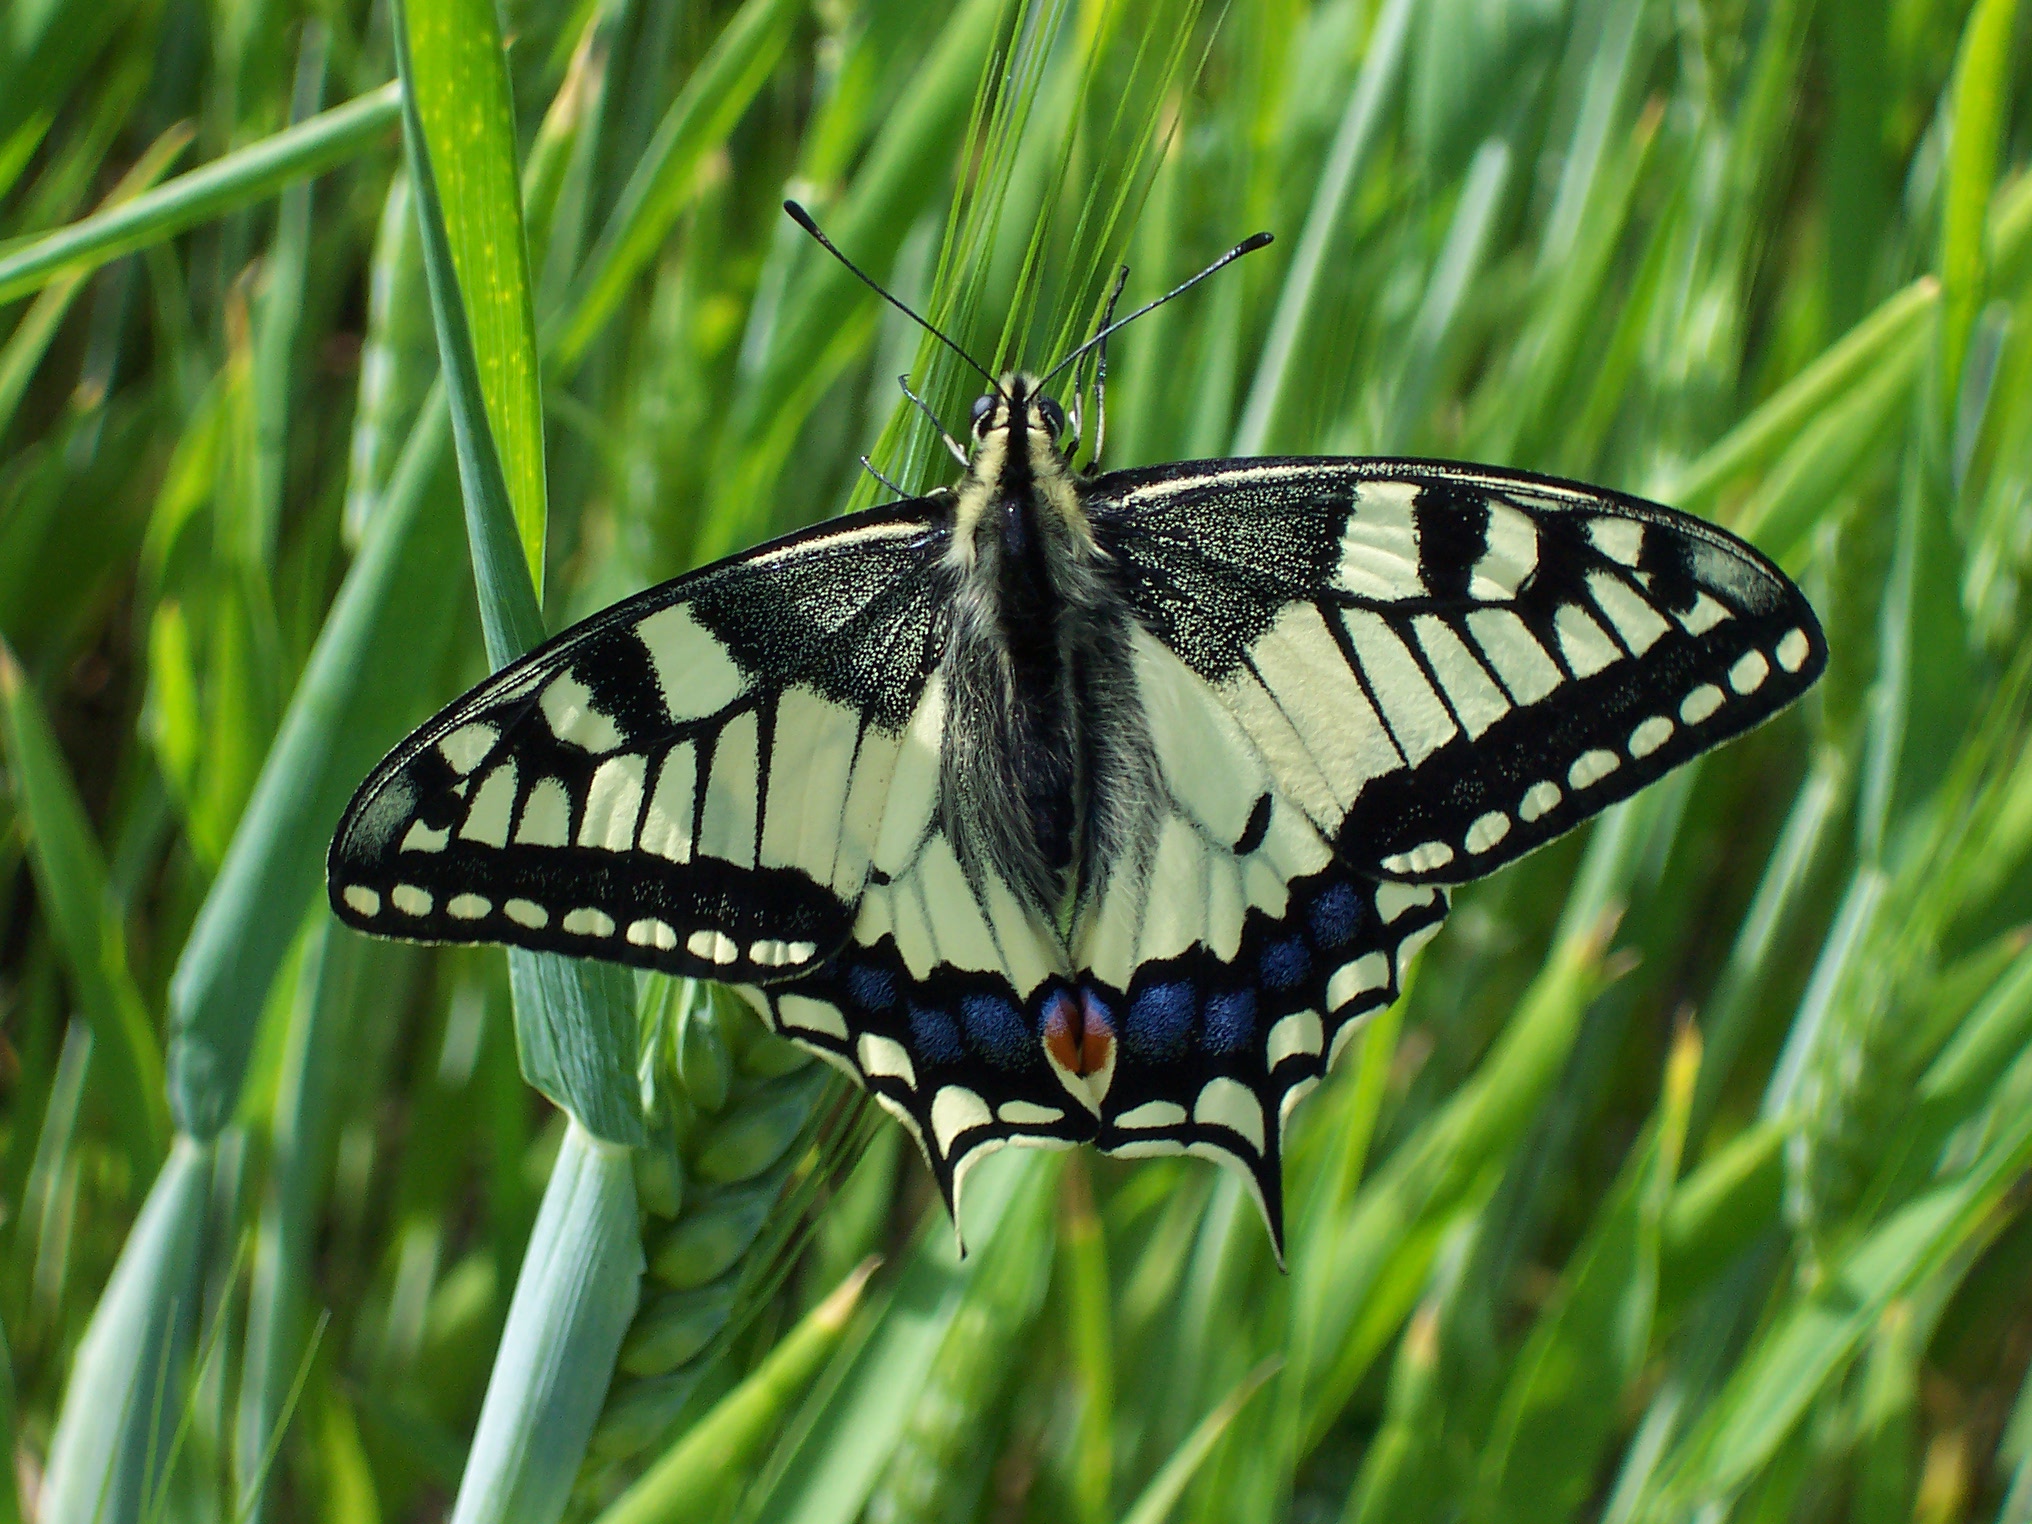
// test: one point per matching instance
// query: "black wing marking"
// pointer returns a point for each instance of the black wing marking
(694, 780)
(1447, 666)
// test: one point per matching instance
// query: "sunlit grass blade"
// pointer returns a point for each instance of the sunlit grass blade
(1155, 1503)
(713, 99)
(1382, 63)
(713, 1459)
(1981, 90)
(468, 186)
(240, 179)
(575, 1024)
(126, 1385)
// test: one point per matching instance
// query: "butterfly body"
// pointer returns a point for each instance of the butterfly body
(1061, 809)
(1042, 753)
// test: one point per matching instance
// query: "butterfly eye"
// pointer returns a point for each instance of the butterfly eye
(1054, 416)
(981, 407)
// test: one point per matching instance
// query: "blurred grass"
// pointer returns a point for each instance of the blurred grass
(1687, 1181)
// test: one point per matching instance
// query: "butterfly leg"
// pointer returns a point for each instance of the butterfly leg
(1101, 372)
(869, 466)
(959, 450)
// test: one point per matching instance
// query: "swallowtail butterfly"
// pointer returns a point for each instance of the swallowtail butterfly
(1061, 808)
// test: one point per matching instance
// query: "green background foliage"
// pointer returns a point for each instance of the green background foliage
(1687, 1181)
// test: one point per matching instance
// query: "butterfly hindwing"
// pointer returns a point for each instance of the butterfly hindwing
(934, 1001)
(1218, 1050)
(694, 781)
(1448, 666)
(1229, 950)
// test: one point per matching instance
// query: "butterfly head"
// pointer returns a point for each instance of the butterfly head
(1017, 477)
(1017, 401)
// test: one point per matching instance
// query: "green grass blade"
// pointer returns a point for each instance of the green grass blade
(1591, 1344)
(1155, 1503)
(1382, 68)
(463, 162)
(1083, 1269)
(70, 872)
(719, 90)
(1724, 266)
(239, 179)
(1761, 436)
(857, 1414)
(714, 1458)
(10, 1495)
(118, 1406)
(31, 338)
(279, 320)
(1460, 261)
(1792, 1363)
(575, 1022)
(368, 678)
(281, 1277)
(1431, 1175)
(1808, 479)
(827, 317)
(573, 1298)
(1979, 113)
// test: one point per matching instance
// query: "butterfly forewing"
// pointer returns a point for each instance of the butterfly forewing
(695, 780)
(1448, 666)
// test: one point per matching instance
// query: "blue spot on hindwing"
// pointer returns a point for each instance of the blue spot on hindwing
(996, 1028)
(1160, 1020)
(1230, 1021)
(934, 1036)
(1335, 915)
(872, 989)
(1286, 963)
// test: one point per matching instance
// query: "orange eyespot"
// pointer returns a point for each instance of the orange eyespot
(1078, 1032)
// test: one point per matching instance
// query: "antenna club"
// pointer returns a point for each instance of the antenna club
(1248, 245)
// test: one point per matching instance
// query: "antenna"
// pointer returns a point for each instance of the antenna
(1246, 246)
(803, 219)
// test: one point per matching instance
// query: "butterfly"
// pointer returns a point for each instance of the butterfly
(1063, 808)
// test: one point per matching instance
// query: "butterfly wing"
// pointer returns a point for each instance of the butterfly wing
(925, 1003)
(695, 780)
(1365, 681)
(1447, 666)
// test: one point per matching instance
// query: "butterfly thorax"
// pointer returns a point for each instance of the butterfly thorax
(1036, 669)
